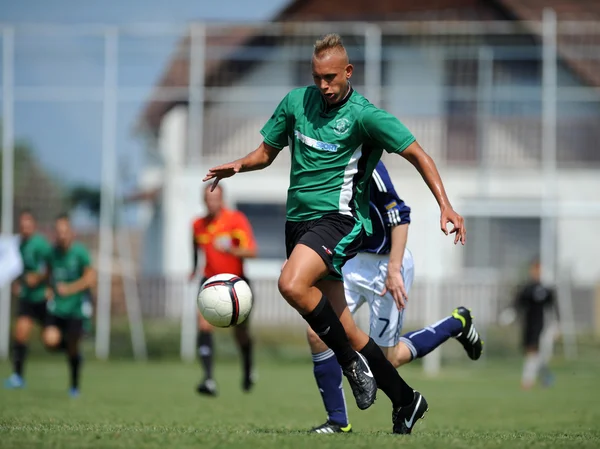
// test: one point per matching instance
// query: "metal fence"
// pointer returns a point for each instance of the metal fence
(85, 104)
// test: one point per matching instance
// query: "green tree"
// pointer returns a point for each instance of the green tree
(34, 187)
(87, 197)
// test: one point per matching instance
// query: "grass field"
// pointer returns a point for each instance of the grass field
(153, 405)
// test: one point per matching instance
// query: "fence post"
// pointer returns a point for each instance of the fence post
(8, 160)
(548, 156)
(107, 199)
(373, 58)
(195, 131)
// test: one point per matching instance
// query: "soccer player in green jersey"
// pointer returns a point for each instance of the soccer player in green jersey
(30, 289)
(71, 276)
(336, 137)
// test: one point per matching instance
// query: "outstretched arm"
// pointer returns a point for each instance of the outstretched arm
(426, 167)
(260, 158)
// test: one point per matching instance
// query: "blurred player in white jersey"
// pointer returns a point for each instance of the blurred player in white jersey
(381, 275)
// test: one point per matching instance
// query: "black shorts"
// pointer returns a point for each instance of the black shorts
(37, 311)
(531, 334)
(69, 327)
(335, 237)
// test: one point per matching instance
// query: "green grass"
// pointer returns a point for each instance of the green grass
(153, 405)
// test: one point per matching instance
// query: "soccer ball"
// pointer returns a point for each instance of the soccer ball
(225, 300)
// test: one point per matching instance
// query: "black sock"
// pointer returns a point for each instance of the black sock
(204, 342)
(328, 327)
(75, 364)
(19, 355)
(247, 358)
(387, 377)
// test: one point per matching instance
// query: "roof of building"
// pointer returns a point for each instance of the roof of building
(178, 70)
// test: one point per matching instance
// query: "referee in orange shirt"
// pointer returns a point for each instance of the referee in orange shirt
(225, 236)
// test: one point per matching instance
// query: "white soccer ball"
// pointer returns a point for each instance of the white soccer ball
(225, 300)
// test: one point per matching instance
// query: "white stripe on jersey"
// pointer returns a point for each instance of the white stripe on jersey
(348, 186)
(379, 182)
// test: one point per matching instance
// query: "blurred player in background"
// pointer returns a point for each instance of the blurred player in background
(381, 275)
(536, 305)
(336, 137)
(226, 239)
(71, 278)
(30, 288)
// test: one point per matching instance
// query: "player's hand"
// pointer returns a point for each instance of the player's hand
(30, 280)
(222, 171)
(449, 215)
(49, 294)
(395, 285)
(63, 289)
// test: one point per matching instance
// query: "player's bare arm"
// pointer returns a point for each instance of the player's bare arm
(260, 158)
(425, 165)
(394, 282)
(33, 279)
(242, 253)
(83, 283)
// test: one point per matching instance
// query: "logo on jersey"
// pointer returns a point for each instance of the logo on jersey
(316, 144)
(341, 126)
(327, 250)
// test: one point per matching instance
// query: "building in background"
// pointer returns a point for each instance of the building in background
(469, 85)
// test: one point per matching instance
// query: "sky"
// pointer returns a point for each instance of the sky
(56, 76)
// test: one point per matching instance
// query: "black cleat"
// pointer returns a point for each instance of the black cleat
(361, 382)
(405, 418)
(469, 337)
(331, 427)
(207, 388)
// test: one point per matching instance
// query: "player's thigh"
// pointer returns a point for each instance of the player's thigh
(52, 334)
(302, 270)
(385, 320)
(28, 314)
(23, 327)
(203, 325)
(335, 238)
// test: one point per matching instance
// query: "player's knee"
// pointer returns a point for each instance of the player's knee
(399, 355)
(203, 325)
(291, 288)
(23, 329)
(51, 337)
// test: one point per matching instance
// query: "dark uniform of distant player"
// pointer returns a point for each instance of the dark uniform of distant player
(537, 308)
(31, 289)
(336, 137)
(71, 277)
(382, 275)
(226, 239)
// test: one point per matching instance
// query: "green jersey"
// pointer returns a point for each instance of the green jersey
(334, 149)
(67, 266)
(34, 253)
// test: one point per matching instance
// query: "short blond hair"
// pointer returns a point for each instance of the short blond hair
(332, 41)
